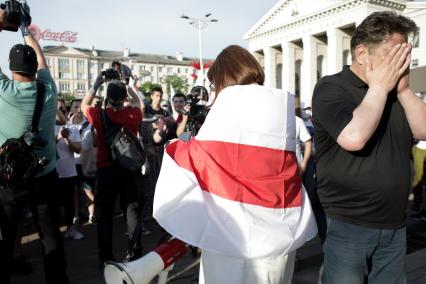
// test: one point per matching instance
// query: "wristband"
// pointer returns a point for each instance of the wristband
(25, 31)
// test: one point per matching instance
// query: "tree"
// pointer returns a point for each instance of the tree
(178, 83)
(67, 97)
(147, 87)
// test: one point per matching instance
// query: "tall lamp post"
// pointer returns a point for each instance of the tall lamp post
(200, 24)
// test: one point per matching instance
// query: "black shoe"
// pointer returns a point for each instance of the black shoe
(21, 266)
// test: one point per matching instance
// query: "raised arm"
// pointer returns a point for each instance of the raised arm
(28, 37)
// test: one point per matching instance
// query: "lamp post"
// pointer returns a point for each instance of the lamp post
(200, 24)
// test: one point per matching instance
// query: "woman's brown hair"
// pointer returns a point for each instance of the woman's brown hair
(235, 66)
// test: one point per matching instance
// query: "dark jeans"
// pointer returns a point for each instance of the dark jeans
(310, 183)
(111, 181)
(66, 186)
(353, 254)
(44, 204)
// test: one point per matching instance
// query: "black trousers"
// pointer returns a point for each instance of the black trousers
(66, 187)
(44, 204)
(111, 181)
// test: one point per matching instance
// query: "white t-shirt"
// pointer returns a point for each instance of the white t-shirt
(88, 153)
(421, 144)
(302, 136)
(65, 165)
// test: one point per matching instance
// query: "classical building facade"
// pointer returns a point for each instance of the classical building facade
(75, 69)
(299, 41)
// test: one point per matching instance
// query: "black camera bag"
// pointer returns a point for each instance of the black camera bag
(18, 163)
(126, 149)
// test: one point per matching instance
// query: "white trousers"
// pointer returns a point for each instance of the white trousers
(220, 269)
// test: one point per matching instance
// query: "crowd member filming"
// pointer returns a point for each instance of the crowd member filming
(30, 76)
(111, 178)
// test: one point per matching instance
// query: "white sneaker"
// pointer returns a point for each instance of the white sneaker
(73, 233)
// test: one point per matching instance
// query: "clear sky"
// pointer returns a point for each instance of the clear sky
(147, 26)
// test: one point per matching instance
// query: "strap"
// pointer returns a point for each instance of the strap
(38, 107)
(109, 128)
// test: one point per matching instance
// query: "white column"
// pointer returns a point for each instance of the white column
(309, 69)
(334, 50)
(288, 73)
(270, 66)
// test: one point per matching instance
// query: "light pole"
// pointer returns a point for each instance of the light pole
(200, 24)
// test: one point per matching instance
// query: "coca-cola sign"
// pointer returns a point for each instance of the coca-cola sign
(47, 34)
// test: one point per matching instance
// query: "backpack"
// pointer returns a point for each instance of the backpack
(126, 149)
(18, 163)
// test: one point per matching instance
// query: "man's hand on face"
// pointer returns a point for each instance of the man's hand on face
(403, 83)
(387, 74)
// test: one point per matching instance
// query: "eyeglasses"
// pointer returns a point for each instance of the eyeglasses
(211, 86)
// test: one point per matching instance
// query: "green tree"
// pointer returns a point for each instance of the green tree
(178, 83)
(67, 97)
(147, 87)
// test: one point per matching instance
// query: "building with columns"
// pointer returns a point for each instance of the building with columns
(299, 41)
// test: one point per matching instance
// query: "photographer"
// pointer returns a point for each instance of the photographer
(17, 101)
(111, 178)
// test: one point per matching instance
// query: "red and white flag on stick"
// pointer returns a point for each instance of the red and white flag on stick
(235, 188)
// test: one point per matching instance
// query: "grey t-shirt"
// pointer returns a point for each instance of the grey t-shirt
(17, 102)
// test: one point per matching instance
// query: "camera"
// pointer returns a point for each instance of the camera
(111, 74)
(15, 10)
(197, 98)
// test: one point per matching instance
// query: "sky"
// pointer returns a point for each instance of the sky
(145, 26)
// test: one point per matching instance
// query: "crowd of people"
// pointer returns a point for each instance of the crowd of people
(253, 189)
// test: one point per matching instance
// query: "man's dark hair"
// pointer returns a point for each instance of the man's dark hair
(157, 89)
(178, 95)
(378, 27)
(75, 100)
(115, 63)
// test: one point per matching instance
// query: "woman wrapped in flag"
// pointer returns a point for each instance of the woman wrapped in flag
(235, 190)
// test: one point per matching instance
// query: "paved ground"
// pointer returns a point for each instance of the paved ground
(83, 266)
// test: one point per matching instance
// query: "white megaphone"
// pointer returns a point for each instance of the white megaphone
(144, 269)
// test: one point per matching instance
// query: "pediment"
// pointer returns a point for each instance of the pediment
(65, 50)
(286, 11)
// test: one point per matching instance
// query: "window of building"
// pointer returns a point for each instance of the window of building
(186, 70)
(178, 70)
(64, 87)
(414, 63)
(64, 74)
(169, 69)
(142, 68)
(347, 58)
(81, 86)
(152, 68)
(416, 39)
(63, 64)
(160, 69)
(320, 60)
(48, 61)
(80, 76)
(80, 64)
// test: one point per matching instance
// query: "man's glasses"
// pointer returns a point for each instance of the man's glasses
(211, 86)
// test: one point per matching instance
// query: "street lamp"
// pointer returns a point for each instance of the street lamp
(200, 24)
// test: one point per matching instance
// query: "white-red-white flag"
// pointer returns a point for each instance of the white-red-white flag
(235, 188)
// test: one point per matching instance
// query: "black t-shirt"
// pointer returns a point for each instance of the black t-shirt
(368, 187)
